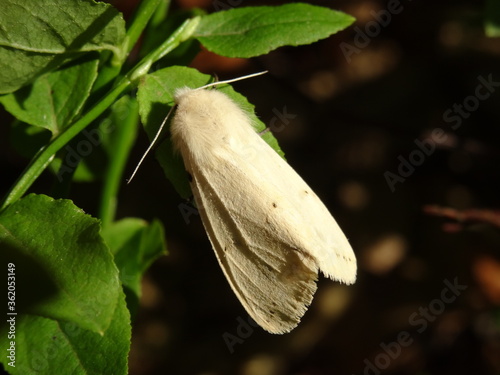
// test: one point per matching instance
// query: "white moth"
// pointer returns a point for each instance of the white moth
(270, 232)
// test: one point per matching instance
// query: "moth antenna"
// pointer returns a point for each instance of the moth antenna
(151, 145)
(231, 80)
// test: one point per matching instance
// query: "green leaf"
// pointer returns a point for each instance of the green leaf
(492, 18)
(54, 99)
(27, 139)
(64, 269)
(135, 245)
(156, 97)
(46, 346)
(40, 35)
(254, 31)
(51, 103)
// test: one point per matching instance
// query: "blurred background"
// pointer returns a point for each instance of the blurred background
(395, 123)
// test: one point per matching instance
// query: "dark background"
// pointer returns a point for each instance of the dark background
(356, 119)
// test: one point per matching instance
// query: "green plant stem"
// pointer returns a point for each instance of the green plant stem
(116, 167)
(126, 134)
(111, 69)
(184, 32)
(142, 15)
(43, 158)
(160, 14)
